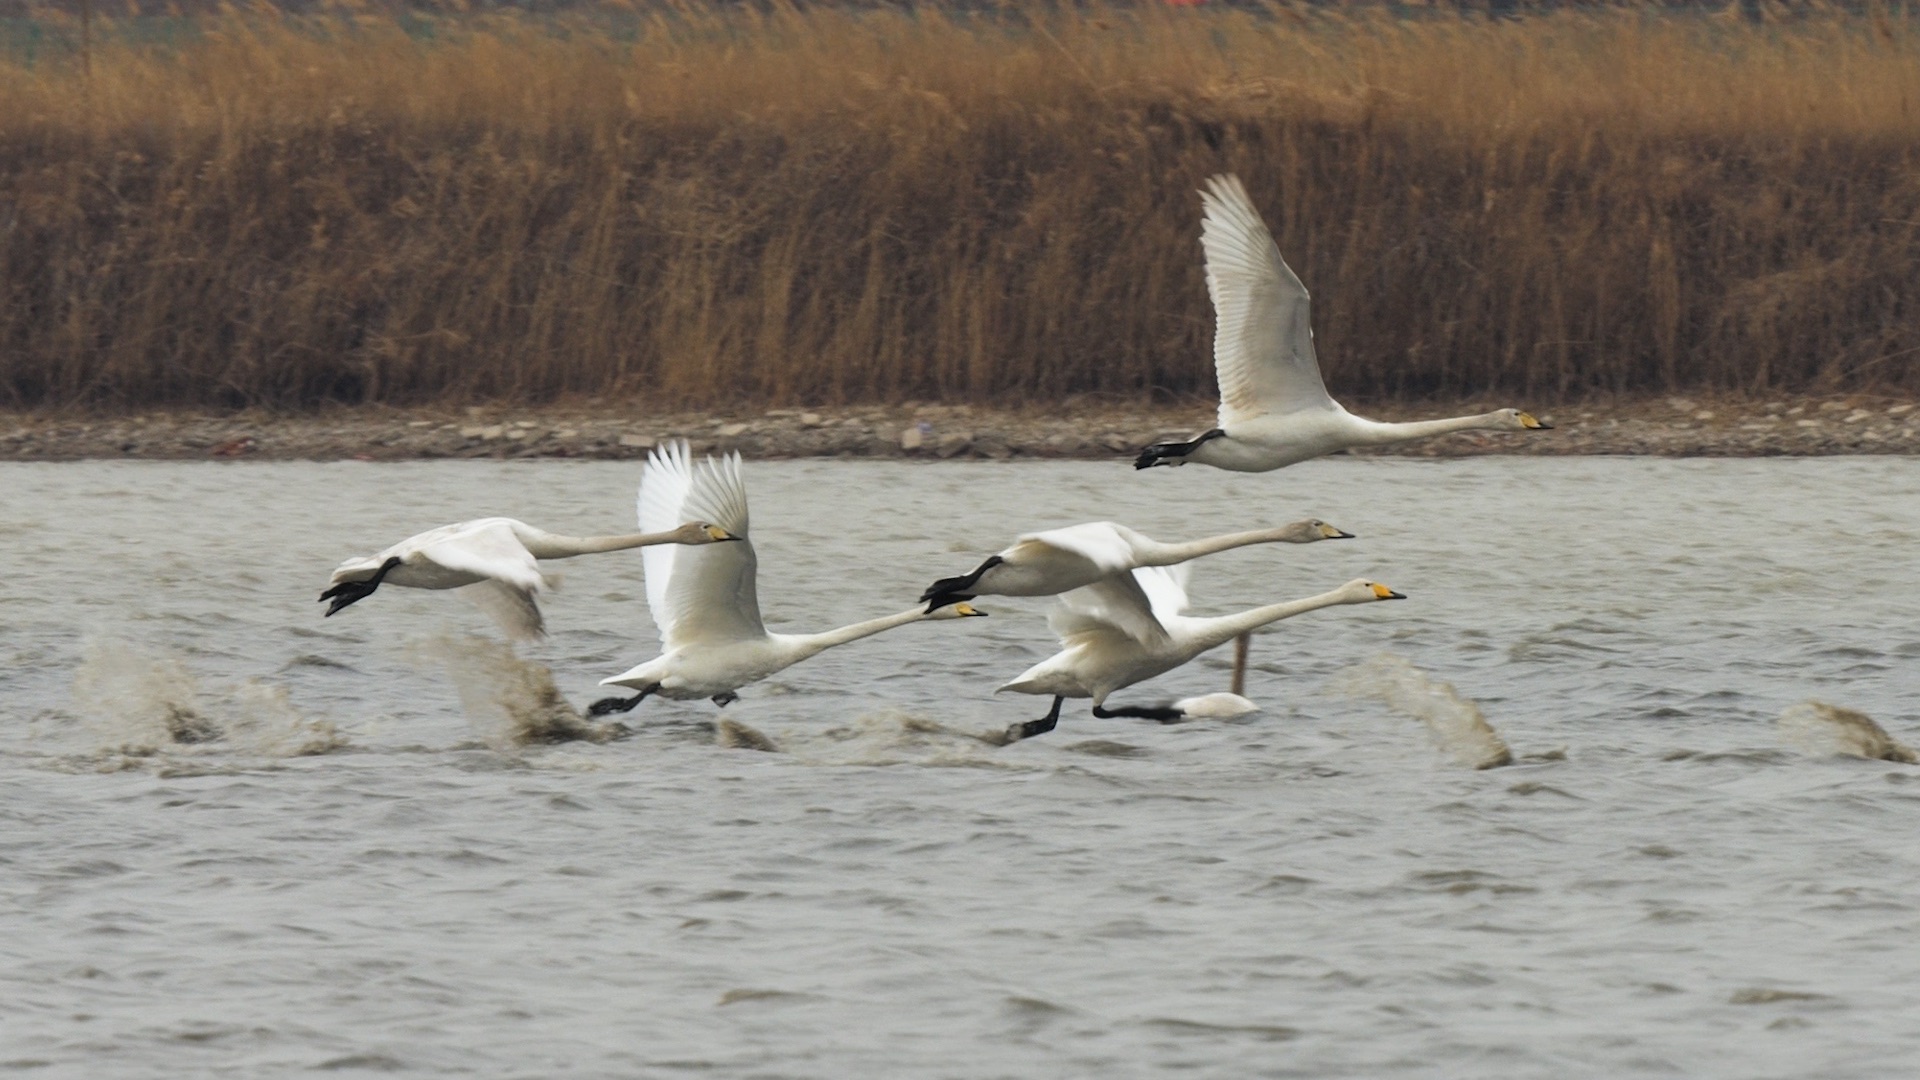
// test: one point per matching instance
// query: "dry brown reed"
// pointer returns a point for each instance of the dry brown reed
(703, 208)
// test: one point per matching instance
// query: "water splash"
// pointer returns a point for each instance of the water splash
(1457, 724)
(143, 703)
(510, 700)
(1823, 730)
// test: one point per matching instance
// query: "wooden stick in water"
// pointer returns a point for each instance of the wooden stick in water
(1240, 662)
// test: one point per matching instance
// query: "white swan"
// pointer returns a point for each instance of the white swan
(496, 557)
(1046, 563)
(1102, 655)
(1274, 409)
(703, 599)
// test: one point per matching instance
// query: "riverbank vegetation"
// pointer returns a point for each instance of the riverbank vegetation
(720, 207)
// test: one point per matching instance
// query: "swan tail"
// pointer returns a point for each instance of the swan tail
(953, 590)
(1172, 453)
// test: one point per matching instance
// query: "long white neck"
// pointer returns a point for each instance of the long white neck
(546, 545)
(1153, 553)
(805, 645)
(1377, 432)
(1219, 631)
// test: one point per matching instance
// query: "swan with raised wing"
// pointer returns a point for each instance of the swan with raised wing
(704, 600)
(1104, 651)
(1057, 560)
(495, 560)
(1274, 408)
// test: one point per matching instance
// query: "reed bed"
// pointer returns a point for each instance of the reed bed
(724, 207)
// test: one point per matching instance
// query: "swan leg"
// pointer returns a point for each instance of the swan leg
(953, 590)
(1166, 714)
(725, 698)
(1016, 732)
(610, 705)
(1170, 453)
(350, 592)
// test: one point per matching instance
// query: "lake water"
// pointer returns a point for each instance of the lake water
(359, 868)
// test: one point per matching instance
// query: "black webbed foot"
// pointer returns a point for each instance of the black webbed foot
(955, 590)
(609, 706)
(350, 592)
(1172, 453)
(1016, 732)
(725, 698)
(1166, 714)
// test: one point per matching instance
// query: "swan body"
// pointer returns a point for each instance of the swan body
(1059, 560)
(497, 558)
(1274, 407)
(1102, 654)
(704, 600)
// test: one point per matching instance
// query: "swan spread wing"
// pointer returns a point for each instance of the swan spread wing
(1114, 604)
(1101, 543)
(702, 593)
(1263, 334)
(486, 548)
(1165, 588)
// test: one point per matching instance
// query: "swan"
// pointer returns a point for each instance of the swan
(1102, 655)
(496, 556)
(1055, 561)
(1274, 408)
(704, 601)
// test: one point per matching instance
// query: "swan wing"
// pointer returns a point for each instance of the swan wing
(1102, 543)
(1165, 588)
(1263, 333)
(1116, 603)
(514, 608)
(486, 548)
(700, 593)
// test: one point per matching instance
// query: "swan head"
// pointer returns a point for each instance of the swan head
(961, 610)
(1522, 421)
(699, 532)
(1362, 591)
(1312, 530)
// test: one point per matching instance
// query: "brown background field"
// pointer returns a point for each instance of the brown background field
(720, 210)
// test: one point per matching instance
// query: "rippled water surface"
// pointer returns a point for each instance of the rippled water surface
(356, 868)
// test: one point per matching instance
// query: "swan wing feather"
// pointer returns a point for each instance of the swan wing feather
(1263, 333)
(1116, 603)
(1101, 543)
(487, 548)
(704, 593)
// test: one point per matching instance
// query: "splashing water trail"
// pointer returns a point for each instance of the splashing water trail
(142, 702)
(511, 701)
(1823, 730)
(1457, 724)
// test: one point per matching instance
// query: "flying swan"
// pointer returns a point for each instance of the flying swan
(1274, 409)
(496, 557)
(1103, 655)
(703, 599)
(1055, 561)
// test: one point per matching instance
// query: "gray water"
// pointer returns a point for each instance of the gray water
(360, 870)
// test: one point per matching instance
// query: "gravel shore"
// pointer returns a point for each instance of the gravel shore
(1083, 428)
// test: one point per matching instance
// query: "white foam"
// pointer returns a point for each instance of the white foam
(1457, 724)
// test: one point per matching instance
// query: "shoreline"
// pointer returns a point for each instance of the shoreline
(1084, 428)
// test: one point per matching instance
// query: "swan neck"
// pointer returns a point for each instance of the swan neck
(1168, 554)
(551, 546)
(805, 645)
(1382, 432)
(1227, 627)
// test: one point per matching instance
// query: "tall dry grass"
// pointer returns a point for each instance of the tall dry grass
(823, 206)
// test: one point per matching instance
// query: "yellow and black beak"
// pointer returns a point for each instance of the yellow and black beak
(1381, 592)
(968, 610)
(719, 534)
(1333, 532)
(1529, 421)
